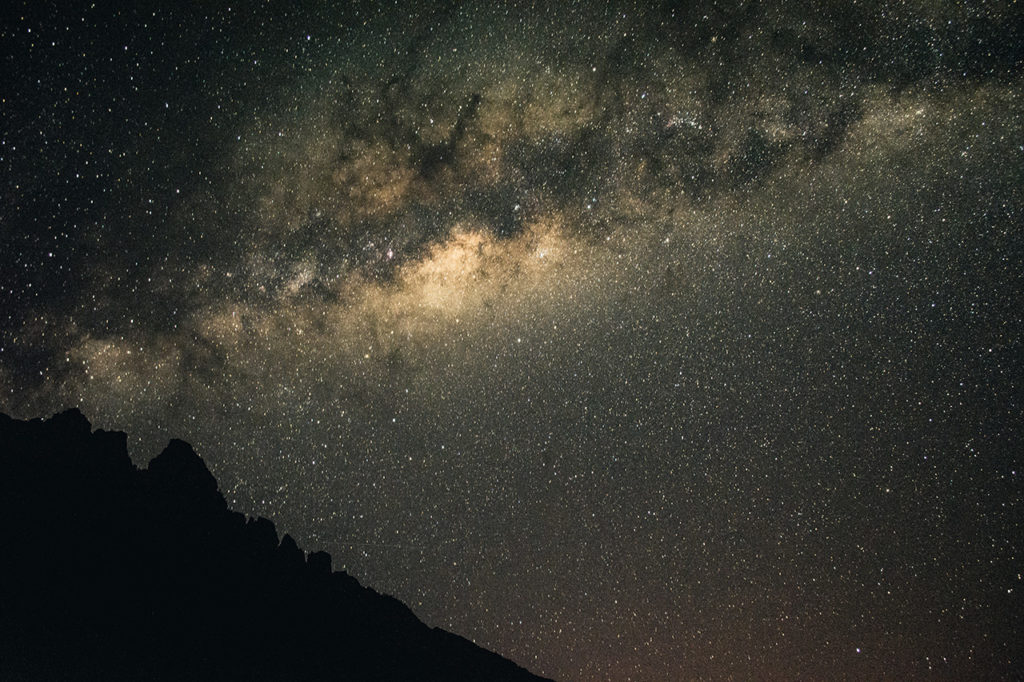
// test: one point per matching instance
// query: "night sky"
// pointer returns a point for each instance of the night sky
(634, 342)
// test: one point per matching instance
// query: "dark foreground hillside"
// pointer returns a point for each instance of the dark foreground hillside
(112, 572)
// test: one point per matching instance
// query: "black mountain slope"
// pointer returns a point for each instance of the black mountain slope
(112, 572)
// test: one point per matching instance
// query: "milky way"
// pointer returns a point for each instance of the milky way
(630, 342)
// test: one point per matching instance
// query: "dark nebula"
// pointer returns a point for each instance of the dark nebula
(631, 341)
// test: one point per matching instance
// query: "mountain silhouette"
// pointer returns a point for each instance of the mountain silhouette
(108, 571)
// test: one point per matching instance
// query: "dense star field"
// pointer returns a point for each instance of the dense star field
(633, 342)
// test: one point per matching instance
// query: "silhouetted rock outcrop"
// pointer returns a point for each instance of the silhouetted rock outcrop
(111, 572)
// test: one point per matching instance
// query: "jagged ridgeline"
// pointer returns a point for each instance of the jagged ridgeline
(112, 572)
